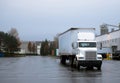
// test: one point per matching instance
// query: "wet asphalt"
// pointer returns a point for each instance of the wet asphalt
(47, 69)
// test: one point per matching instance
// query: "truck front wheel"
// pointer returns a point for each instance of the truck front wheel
(99, 67)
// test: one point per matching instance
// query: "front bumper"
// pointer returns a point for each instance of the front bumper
(90, 63)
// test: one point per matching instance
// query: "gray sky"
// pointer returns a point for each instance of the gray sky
(40, 19)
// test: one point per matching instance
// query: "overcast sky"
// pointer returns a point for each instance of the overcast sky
(40, 19)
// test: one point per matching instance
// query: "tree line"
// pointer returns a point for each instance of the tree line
(32, 47)
(9, 42)
(47, 47)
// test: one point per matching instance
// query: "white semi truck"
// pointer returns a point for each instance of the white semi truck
(78, 45)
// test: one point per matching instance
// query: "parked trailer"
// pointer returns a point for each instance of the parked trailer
(78, 45)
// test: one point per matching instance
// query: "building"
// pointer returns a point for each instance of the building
(103, 29)
(24, 47)
(109, 42)
(38, 45)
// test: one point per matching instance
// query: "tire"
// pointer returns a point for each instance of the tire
(71, 61)
(63, 59)
(99, 68)
(77, 64)
(119, 56)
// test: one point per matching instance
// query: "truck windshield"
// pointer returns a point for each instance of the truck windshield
(87, 44)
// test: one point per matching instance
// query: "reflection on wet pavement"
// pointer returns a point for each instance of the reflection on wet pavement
(39, 69)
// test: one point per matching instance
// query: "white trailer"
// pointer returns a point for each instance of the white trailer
(78, 45)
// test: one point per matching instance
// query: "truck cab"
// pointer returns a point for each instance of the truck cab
(86, 54)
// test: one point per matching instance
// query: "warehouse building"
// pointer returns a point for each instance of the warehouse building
(108, 42)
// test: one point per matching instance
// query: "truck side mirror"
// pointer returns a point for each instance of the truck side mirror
(74, 45)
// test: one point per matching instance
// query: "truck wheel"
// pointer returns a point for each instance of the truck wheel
(63, 59)
(71, 61)
(77, 64)
(119, 56)
(99, 68)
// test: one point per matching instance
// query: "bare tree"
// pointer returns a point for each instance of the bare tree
(33, 48)
(56, 41)
(30, 47)
(14, 32)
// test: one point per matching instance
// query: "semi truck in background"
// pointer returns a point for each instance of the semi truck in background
(78, 45)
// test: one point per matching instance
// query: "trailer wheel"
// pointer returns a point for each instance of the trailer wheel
(63, 59)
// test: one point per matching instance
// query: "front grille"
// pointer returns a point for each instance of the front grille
(90, 55)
